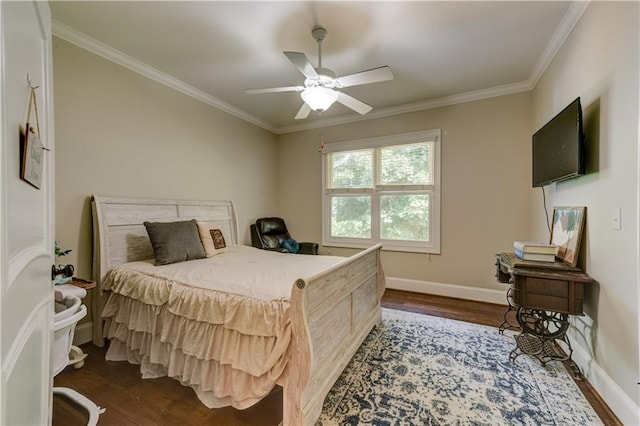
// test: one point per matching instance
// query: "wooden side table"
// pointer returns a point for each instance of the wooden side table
(86, 284)
(543, 295)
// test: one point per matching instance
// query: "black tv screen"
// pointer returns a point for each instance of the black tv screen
(558, 147)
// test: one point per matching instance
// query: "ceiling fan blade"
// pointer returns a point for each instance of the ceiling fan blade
(302, 63)
(304, 112)
(353, 103)
(365, 77)
(274, 90)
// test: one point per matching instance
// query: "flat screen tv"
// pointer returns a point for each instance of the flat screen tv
(558, 147)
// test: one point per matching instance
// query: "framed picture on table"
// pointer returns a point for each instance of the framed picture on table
(566, 232)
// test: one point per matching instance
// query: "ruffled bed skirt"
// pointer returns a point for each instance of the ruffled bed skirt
(224, 366)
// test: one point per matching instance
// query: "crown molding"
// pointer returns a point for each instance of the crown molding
(475, 95)
(568, 22)
(94, 46)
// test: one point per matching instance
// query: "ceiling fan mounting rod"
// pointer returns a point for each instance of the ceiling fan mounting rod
(319, 34)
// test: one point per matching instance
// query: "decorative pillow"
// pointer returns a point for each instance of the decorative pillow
(174, 242)
(290, 245)
(218, 241)
(205, 237)
(207, 240)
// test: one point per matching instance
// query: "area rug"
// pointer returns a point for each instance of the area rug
(417, 369)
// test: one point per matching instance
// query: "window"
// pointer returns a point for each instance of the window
(383, 190)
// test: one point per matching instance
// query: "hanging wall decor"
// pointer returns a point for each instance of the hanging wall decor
(32, 149)
(32, 163)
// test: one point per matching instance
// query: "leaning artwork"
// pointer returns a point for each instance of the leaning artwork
(568, 226)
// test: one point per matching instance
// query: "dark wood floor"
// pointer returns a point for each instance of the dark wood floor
(129, 400)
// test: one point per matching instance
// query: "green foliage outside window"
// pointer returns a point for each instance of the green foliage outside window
(405, 165)
(352, 169)
(351, 217)
(404, 217)
(404, 214)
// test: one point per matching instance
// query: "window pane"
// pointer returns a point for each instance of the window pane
(351, 217)
(404, 217)
(351, 169)
(406, 164)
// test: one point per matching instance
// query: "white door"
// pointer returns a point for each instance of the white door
(26, 218)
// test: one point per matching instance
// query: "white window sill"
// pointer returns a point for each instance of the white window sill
(386, 246)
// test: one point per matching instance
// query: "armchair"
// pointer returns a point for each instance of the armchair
(269, 232)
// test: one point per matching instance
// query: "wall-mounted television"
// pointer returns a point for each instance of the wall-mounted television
(558, 147)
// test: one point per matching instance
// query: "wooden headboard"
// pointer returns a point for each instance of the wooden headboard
(119, 235)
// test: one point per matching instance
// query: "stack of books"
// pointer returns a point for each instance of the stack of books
(535, 251)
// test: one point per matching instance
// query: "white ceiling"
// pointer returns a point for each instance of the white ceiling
(440, 52)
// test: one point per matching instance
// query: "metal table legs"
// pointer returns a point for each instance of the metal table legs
(540, 332)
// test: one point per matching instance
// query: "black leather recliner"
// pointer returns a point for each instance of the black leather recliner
(269, 232)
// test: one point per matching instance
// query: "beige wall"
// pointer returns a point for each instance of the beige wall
(599, 63)
(118, 133)
(121, 134)
(485, 179)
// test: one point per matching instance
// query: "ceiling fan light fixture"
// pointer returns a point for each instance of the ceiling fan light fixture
(319, 98)
(321, 87)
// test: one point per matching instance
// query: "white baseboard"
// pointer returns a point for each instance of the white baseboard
(449, 290)
(627, 411)
(83, 333)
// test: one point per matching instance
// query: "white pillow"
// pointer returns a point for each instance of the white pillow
(208, 244)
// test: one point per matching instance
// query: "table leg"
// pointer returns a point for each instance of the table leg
(541, 332)
(506, 324)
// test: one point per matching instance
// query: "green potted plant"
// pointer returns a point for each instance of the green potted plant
(61, 274)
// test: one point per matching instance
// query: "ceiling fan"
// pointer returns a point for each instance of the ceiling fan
(319, 89)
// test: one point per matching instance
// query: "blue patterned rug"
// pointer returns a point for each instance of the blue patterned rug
(423, 370)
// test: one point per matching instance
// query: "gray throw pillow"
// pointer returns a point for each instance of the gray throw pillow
(175, 242)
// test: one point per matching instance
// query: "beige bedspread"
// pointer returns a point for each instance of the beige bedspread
(219, 325)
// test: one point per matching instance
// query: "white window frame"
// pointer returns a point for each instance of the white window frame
(432, 246)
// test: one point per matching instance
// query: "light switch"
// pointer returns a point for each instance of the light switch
(616, 218)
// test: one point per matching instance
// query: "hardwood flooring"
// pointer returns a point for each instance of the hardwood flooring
(129, 400)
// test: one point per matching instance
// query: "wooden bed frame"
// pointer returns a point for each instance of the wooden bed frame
(331, 312)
